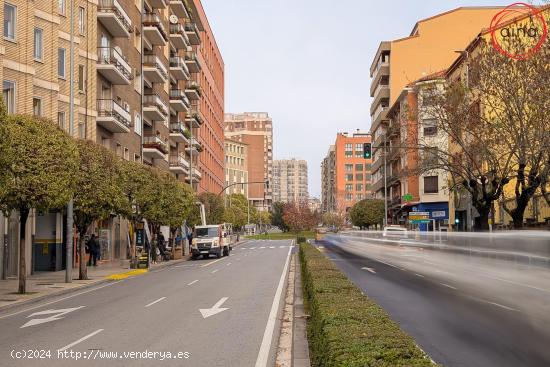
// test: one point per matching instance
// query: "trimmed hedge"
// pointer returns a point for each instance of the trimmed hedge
(345, 327)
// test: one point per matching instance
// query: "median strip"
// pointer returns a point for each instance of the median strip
(346, 328)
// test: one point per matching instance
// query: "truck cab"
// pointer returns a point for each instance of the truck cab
(209, 240)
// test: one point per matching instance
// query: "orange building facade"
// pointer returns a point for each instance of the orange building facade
(211, 108)
(353, 171)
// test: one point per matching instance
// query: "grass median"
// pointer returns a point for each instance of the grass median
(345, 327)
(283, 236)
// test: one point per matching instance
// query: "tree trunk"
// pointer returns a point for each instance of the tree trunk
(82, 269)
(518, 213)
(24, 214)
(483, 221)
(173, 244)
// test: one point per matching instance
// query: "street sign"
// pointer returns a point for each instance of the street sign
(419, 217)
(439, 214)
(408, 197)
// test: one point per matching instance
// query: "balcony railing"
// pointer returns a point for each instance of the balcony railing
(155, 142)
(113, 6)
(111, 56)
(153, 19)
(178, 29)
(194, 85)
(110, 108)
(154, 61)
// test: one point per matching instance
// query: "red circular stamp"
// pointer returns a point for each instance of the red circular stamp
(519, 31)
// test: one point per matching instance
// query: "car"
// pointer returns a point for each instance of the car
(395, 231)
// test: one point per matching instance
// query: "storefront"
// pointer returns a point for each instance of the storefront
(439, 215)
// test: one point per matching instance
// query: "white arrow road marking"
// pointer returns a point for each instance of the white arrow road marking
(370, 270)
(193, 282)
(157, 301)
(80, 340)
(215, 271)
(55, 315)
(207, 312)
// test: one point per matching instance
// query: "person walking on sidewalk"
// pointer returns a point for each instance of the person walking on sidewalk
(95, 249)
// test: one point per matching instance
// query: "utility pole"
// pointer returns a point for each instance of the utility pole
(70, 235)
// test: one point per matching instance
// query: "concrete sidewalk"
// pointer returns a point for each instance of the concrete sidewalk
(45, 284)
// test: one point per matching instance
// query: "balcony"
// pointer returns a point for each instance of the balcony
(179, 133)
(192, 62)
(113, 116)
(178, 68)
(154, 147)
(379, 115)
(154, 108)
(154, 70)
(382, 92)
(159, 4)
(382, 69)
(197, 174)
(193, 119)
(193, 90)
(178, 100)
(153, 30)
(178, 37)
(114, 18)
(113, 66)
(194, 147)
(179, 165)
(394, 154)
(193, 33)
(179, 8)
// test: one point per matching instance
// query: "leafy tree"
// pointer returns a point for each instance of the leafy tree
(261, 217)
(335, 220)
(299, 217)
(100, 192)
(213, 206)
(236, 212)
(368, 212)
(180, 202)
(39, 164)
(277, 216)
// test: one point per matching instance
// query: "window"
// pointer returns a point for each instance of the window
(82, 20)
(431, 185)
(61, 7)
(8, 94)
(349, 147)
(82, 129)
(349, 168)
(9, 21)
(137, 124)
(359, 167)
(359, 187)
(61, 120)
(349, 177)
(137, 158)
(38, 44)
(359, 197)
(359, 177)
(37, 106)
(349, 188)
(349, 197)
(430, 127)
(81, 78)
(359, 147)
(126, 154)
(61, 62)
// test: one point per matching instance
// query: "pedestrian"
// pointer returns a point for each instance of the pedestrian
(190, 239)
(95, 250)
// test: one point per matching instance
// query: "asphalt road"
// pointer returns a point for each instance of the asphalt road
(204, 313)
(463, 311)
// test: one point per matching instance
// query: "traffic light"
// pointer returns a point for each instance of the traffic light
(367, 150)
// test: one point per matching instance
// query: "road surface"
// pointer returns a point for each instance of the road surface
(216, 312)
(464, 311)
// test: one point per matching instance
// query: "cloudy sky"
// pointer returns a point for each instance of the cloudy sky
(306, 62)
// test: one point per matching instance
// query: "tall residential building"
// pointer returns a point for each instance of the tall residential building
(149, 85)
(431, 47)
(290, 182)
(256, 130)
(236, 167)
(328, 181)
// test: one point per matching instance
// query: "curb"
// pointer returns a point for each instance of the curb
(67, 291)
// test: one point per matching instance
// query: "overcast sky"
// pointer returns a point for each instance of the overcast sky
(306, 63)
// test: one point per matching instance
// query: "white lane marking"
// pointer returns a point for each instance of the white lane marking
(238, 259)
(193, 282)
(385, 263)
(370, 270)
(211, 262)
(61, 299)
(271, 246)
(215, 271)
(419, 275)
(263, 354)
(501, 306)
(54, 316)
(244, 248)
(262, 247)
(157, 301)
(228, 264)
(80, 340)
(517, 283)
(282, 246)
(448, 286)
(207, 312)
(184, 266)
(252, 248)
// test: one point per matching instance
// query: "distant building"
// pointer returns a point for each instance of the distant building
(328, 180)
(256, 130)
(314, 204)
(290, 180)
(236, 170)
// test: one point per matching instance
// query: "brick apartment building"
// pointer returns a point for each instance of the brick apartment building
(256, 130)
(290, 182)
(149, 85)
